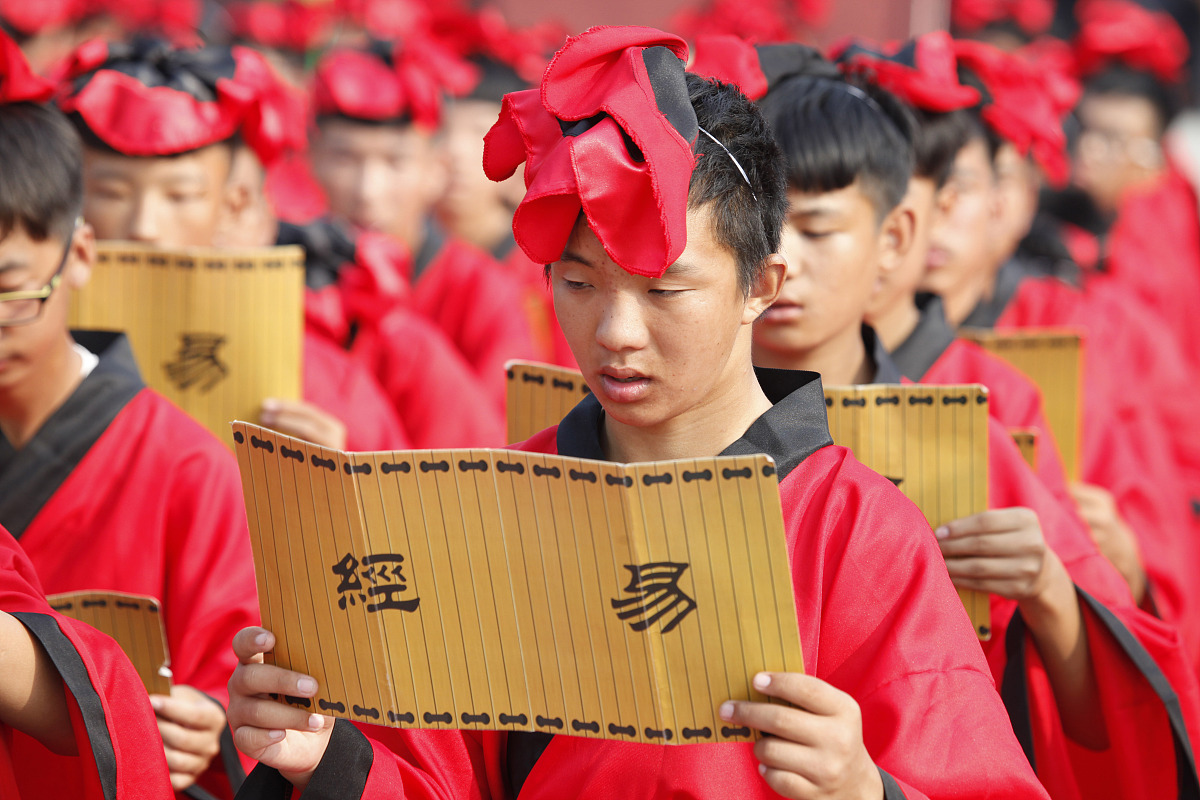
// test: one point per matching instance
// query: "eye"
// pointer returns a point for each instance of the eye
(667, 292)
(574, 285)
(811, 234)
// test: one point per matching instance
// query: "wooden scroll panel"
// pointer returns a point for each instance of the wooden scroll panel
(133, 621)
(215, 331)
(1027, 443)
(1052, 359)
(539, 396)
(495, 589)
(932, 442)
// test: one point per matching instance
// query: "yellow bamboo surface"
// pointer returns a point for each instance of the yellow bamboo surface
(215, 331)
(1053, 360)
(133, 621)
(540, 395)
(496, 589)
(1027, 443)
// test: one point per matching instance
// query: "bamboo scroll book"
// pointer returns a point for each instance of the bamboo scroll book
(496, 589)
(133, 621)
(932, 442)
(1053, 360)
(215, 331)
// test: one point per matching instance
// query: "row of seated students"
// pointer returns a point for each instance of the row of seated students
(769, 233)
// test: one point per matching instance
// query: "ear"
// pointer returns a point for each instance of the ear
(766, 289)
(896, 236)
(82, 258)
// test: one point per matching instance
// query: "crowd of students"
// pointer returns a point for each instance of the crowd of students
(709, 231)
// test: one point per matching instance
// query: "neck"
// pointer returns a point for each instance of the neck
(897, 322)
(26, 406)
(962, 300)
(700, 432)
(841, 361)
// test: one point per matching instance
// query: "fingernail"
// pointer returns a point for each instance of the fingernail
(762, 769)
(262, 640)
(270, 404)
(306, 685)
(726, 711)
(275, 736)
(942, 532)
(762, 680)
(156, 703)
(315, 722)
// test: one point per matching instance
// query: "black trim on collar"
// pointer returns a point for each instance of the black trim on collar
(524, 749)
(30, 477)
(1014, 690)
(891, 789)
(988, 312)
(886, 370)
(917, 354)
(503, 248)
(431, 246)
(327, 247)
(77, 680)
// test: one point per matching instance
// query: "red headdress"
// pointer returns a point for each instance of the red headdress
(1031, 16)
(33, 17)
(387, 19)
(754, 20)
(1118, 30)
(283, 24)
(1019, 106)
(756, 69)
(610, 132)
(923, 71)
(486, 33)
(18, 83)
(390, 81)
(147, 98)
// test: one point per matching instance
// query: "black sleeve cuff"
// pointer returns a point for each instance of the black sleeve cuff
(341, 775)
(891, 789)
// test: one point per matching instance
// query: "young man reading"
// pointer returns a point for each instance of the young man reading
(658, 305)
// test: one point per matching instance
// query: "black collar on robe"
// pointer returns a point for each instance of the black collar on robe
(30, 477)
(988, 312)
(790, 431)
(430, 249)
(886, 370)
(917, 354)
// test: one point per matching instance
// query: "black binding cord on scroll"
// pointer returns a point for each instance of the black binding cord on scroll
(540, 395)
(213, 330)
(932, 442)
(133, 621)
(566, 596)
(1053, 360)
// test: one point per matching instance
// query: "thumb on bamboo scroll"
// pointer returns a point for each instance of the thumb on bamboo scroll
(505, 590)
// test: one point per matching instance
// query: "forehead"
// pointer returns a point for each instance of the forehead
(21, 253)
(1121, 113)
(206, 164)
(849, 200)
(348, 135)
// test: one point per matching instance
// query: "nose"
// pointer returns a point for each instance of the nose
(143, 223)
(622, 325)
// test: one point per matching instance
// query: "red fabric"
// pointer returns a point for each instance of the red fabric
(637, 209)
(1032, 16)
(486, 32)
(730, 59)
(931, 715)
(753, 20)
(18, 83)
(294, 192)
(283, 24)
(929, 81)
(335, 383)
(177, 19)
(141, 770)
(34, 18)
(387, 19)
(1123, 31)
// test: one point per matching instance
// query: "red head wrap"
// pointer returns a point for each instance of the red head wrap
(147, 98)
(1117, 30)
(390, 82)
(923, 72)
(387, 19)
(1031, 16)
(18, 83)
(754, 20)
(610, 132)
(283, 24)
(486, 33)
(32, 16)
(1020, 107)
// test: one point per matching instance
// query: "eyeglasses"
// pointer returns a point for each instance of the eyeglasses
(24, 307)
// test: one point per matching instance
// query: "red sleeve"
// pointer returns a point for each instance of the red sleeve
(337, 385)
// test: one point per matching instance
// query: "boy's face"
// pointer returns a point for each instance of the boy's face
(176, 201)
(835, 248)
(656, 351)
(27, 264)
(469, 193)
(1017, 187)
(960, 244)
(1118, 147)
(900, 284)
(381, 178)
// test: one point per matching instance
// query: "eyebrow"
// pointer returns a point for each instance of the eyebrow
(575, 258)
(679, 269)
(813, 211)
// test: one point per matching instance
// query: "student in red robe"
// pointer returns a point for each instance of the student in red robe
(373, 152)
(658, 308)
(106, 485)
(1050, 587)
(73, 690)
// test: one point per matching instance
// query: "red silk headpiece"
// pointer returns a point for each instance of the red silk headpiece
(390, 82)
(1020, 108)
(1031, 16)
(487, 33)
(33, 17)
(923, 71)
(753, 20)
(19, 83)
(150, 99)
(731, 59)
(609, 132)
(283, 24)
(1117, 30)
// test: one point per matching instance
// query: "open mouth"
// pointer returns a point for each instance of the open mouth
(624, 385)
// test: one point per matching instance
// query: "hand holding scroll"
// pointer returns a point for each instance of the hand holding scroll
(1112, 535)
(304, 421)
(190, 725)
(814, 750)
(1001, 551)
(289, 739)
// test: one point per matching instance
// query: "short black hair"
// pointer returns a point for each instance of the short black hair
(41, 180)
(939, 137)
(834, 132)
(747, 216)
(1124, 81)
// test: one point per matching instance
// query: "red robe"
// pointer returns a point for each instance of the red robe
(932, 720)
(120, 752)
(121, 491)
(335, 383)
